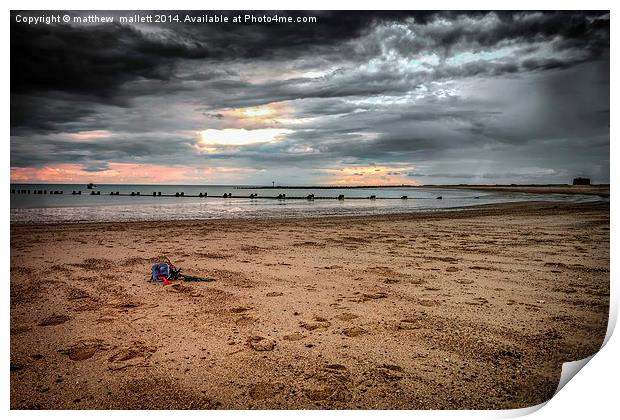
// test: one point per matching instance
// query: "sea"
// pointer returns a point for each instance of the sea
(183, 202)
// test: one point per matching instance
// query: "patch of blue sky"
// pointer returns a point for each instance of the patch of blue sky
(470, 57)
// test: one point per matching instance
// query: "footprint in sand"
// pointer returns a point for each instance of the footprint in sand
(125, 304)
(429, 302)
(375, 295)
(84, 349)
(240, 309)
(54, 319)
(77, 294)
(19, 329)
(408, 324)
(354, 331)
(464, 281)
(294, 337)
(329, 385)
(275, 294)
(479, 301)
(391, 372)
(336, 368)
(259, 343)
(245, 320)
(135, 354)
(319, 324)
(264, 390)
(106, 318)
(347, 316)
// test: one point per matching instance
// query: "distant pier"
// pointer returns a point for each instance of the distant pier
(205, 195)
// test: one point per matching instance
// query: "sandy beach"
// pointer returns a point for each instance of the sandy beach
(455, 309)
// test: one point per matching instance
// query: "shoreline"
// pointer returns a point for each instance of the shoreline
(602, 190)
(449, 213)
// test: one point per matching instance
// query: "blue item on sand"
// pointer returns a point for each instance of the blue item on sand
(160, 270)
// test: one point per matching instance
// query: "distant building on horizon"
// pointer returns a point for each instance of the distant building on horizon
(581, 181)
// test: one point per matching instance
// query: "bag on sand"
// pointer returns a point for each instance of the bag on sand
(166, 272)
(160, 270)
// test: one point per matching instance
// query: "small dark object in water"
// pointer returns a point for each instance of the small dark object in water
(476, 197)
(177, 195)
(79, 192)
(133, 193)
(200, 195)
(310, 197)
(44, 191)
(373, 197)
(92, 193)
(138, 193)
(182, 194)
(98, 192)
(439, 198)
(341, 197)
(154, 194)
(158, 193)
(404, 197)
(281, 196)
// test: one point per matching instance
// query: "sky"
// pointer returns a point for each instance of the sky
(355, 98)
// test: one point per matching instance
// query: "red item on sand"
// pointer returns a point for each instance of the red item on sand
(165, 280)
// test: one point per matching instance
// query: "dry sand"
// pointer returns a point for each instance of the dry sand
(471, 309)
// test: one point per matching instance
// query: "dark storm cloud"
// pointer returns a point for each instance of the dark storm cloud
(358, 87)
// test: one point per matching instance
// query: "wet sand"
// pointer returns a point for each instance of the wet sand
(600, 190)
(471, 309)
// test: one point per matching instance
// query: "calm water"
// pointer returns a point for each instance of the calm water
(68, 208)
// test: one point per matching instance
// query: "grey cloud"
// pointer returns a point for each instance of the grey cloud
(387, 88)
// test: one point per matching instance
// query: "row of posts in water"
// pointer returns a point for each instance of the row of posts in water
(14, 191)
(177, 194)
